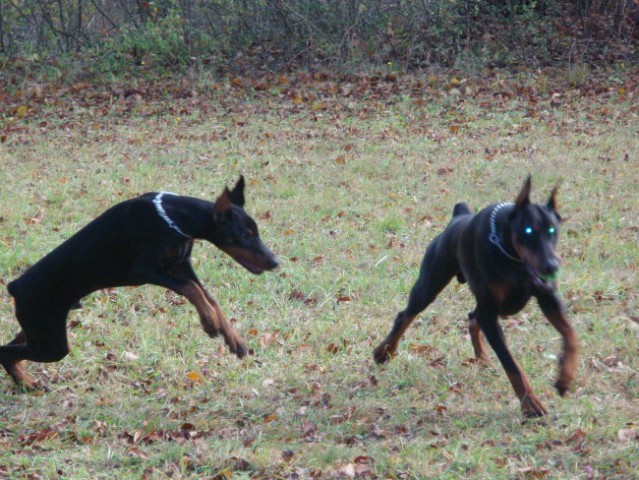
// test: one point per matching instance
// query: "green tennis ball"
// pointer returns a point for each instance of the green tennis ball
(551, 277)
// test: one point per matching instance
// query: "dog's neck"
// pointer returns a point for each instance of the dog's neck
(189, 217)
(157, 202)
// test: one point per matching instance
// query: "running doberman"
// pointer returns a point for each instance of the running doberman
(506, 253)
(143, 240)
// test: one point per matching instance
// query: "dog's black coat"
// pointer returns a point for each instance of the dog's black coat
(506, 253)
(131, 244)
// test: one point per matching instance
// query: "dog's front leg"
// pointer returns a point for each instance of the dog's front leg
(231, 337)
(211, 316)
(553, 310)
(531, 406)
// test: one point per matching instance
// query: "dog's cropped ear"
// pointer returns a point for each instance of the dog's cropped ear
(222, 205)
(552, 202)
(523, 198)
(237, 194)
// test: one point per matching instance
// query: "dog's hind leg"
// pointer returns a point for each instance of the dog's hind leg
(15, 367)
(531, 406)
(437, 270)
(477, 338)
(42, 339)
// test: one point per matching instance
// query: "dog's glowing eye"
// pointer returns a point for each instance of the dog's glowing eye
(552, 230)
(528, 230)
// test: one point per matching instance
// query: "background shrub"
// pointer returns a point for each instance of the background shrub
(271, 34)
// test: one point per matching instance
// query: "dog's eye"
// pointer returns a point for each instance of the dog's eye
(552, 230)
(529, 230)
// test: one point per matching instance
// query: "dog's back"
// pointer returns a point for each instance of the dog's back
(89, 253)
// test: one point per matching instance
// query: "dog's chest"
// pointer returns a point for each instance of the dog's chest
(510, 297)
(176, 254)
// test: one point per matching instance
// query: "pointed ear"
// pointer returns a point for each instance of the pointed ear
(552, 200)
(237, 194)
(552, 203)
(222, 204)
(523, 198)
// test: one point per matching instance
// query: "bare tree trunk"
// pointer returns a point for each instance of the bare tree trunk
(2, 45)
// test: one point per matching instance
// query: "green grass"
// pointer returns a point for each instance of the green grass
(348, 197)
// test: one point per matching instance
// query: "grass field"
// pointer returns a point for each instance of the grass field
(348, 185)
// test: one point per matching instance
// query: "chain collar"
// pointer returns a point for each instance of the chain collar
(494, 237)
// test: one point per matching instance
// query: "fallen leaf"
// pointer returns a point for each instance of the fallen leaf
(268, 382)
(628, 434)
(576, 435)
(267, 339)
(531, 472)
(22, 111)
(287, 455)
(318, 105)
(225, 474)
(194, 377)
(347, 471)
(130, 356)
(309, 430)
(270, 418)
(136, 452)
(37, 218)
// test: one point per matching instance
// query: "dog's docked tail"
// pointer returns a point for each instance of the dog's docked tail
(11, 288)
(461, 209)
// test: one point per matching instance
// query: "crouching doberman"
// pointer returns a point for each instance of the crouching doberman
(143, 240)
(506, 253)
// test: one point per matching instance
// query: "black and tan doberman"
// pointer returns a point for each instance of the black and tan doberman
(144, 240)
(506, 253)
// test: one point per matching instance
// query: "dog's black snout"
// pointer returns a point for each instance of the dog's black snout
(273, 262)
(551, 266)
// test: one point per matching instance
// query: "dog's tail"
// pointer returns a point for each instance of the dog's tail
(11, 288)
(461, 209)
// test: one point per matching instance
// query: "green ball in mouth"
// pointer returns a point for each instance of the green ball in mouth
(551, 277)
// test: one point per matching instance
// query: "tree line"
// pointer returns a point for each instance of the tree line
(276, 33)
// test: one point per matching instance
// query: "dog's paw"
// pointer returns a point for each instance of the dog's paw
(562, 388)
(28, 385)
(383, 353)
(241, 350)
(532, 407)
(23, 381)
